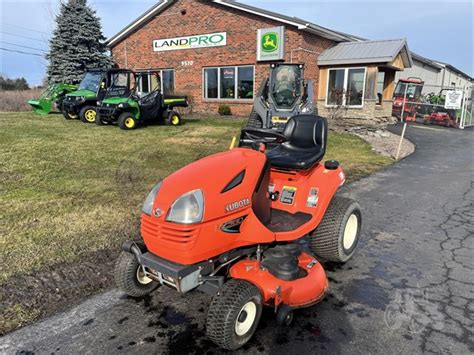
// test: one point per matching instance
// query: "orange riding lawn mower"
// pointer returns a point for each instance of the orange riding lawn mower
(249, 236)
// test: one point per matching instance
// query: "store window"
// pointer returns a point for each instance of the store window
(346, 87)
(229, 83)
(149, 83)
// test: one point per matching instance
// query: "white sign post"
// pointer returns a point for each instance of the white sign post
(453, 99)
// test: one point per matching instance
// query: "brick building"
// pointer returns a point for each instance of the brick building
(219, 52)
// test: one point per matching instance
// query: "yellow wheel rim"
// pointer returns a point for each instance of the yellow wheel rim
(175, 120)
(90, 115)
(129, 122)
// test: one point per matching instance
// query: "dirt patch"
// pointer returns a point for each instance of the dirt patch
(26, 298)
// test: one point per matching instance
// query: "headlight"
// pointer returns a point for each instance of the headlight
(148, 205)
(120, 106)
(306, 109)
(187, 209)
(99, 103)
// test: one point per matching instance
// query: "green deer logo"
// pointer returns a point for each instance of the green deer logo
(270, 42)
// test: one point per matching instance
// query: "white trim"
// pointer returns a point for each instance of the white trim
(312, 28)
(346, 79)
(236, 71)
(137, 22)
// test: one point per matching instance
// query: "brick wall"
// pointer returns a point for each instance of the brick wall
(136, 50)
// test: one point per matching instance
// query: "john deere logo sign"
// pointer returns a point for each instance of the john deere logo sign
(271, 43)
(190, 42)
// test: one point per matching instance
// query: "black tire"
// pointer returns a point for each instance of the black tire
(284, 315)
(330, 240)
(126, 277)
(227, 307)
(125, 121)
(255, 121)
(68, 115)
(88, 114)
(174, 119)
(98, 120)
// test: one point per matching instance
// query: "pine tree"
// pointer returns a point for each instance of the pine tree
(77, 44)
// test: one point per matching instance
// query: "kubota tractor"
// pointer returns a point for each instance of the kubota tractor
(284, 94)
(407, 97)
(246, 226)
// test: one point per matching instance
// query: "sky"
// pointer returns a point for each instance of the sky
(440, 30)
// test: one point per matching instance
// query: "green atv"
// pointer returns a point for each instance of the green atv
(83, 102)
(128, 107)
(52, 97)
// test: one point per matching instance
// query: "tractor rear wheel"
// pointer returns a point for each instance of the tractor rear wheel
(337, 235)
(255, 121)
(88, 114)
(127, 121)
(234, 314)
(174, 119)
(131, 278)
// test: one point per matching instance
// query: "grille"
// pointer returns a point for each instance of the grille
(106, 111)
(170, 235)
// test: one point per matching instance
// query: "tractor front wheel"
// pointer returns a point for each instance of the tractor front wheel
(88, 114)
(337, 235)
(69, 116)
(234, 314)
(130, 276)
(127, 121)
(174, 119)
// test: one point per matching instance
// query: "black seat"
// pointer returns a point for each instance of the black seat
(306, 145)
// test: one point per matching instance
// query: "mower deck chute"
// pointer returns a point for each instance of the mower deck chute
(249, 233)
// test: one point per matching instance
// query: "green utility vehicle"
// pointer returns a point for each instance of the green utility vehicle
(51, 98)
(83, 102)
(129, 107)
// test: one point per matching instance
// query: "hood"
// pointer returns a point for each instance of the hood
(84, 93)
(116, 100)
(214, 176)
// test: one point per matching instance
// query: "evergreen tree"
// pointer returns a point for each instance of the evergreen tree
(77, 44)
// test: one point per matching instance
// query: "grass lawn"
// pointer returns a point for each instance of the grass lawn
(68, 189)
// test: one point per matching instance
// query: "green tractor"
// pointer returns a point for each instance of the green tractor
(51, 98)
(81, 104)
(128, 107)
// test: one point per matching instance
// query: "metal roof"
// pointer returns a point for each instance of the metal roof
(364, 52)
(293, 21)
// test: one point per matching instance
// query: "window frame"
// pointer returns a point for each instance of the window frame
(346, 80)
(219, 83)
(161, 78)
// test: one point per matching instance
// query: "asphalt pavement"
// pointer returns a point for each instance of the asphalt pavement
(409, 288)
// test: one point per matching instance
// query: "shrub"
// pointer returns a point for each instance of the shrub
(224, 110)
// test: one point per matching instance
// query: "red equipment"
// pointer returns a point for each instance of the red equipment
(407, 97)
(243, 226)
(441, 119)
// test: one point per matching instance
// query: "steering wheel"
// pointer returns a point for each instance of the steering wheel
(264, 135)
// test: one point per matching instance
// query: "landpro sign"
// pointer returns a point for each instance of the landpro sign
(190, 42)
(271, 44)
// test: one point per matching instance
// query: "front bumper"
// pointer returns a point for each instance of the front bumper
(183, 278)
(71, 107)
(109, 113)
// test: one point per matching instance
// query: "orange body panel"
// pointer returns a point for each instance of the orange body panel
(302, 292)
(190, 244)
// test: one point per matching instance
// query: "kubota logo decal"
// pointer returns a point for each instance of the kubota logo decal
(237, 205)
